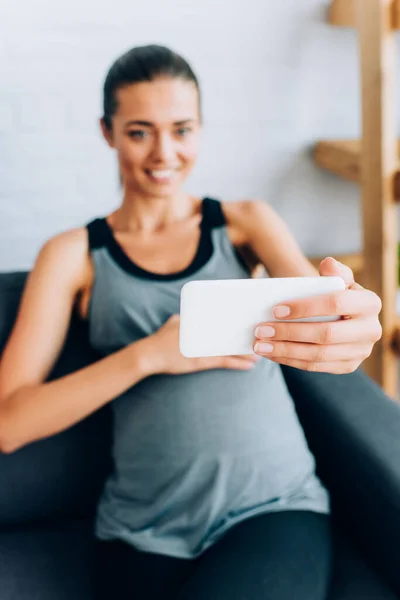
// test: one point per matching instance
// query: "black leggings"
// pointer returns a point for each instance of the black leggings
(276, 556)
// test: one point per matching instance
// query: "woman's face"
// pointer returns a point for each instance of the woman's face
(155, 132)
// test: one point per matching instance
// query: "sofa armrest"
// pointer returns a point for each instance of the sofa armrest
(353, 430)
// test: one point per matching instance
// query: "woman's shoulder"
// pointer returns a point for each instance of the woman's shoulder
(242, 216)
(71, 241)
(69, 249)
(245, 208)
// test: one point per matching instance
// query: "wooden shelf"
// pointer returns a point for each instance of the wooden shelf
(373, 162)
(342, 157)
(396, 336)
(342, 13)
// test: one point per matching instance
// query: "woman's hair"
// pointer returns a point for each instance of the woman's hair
(142, 63)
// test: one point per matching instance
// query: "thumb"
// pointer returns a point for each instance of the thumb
(330, 267)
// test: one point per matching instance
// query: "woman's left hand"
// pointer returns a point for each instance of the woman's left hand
(331, 347)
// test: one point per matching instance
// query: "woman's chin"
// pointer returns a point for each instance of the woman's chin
(159, 191)
(153, 188)
(163, 188)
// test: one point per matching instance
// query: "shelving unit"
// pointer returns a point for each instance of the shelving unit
(374, 163)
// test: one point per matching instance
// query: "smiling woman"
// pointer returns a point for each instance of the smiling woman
(160, 150)
(207, 451)
(156, 154)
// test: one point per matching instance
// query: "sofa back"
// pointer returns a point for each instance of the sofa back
(61, 476)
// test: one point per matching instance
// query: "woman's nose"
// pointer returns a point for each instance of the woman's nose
(164, 148)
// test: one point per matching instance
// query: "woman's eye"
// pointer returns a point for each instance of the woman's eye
(138, 134)
(183, 131)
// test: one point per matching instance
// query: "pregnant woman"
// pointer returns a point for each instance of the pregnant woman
(213, 493)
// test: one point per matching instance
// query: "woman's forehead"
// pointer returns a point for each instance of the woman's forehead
(158, 100)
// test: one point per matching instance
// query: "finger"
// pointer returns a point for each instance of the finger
(331, 332)
(244, 361)
(236, 362)
(252, 357)
(314, 352)
(346, 302)
(356, 286)
(336, 368)
(330, 267)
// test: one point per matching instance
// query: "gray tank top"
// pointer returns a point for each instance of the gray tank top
(193, 454)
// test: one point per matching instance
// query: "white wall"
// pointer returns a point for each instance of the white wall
(275, 78)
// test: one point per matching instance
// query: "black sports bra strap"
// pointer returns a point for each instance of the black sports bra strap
(212, 213)
(98, 233)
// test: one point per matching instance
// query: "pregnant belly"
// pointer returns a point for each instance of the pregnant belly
(210, 414)
(202, 446)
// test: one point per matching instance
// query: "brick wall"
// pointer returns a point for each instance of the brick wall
(275, 78)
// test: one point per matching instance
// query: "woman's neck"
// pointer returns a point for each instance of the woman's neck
(152, 215)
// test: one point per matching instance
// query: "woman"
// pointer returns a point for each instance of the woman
(214, 493)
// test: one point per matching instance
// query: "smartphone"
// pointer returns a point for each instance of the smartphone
(219, 317)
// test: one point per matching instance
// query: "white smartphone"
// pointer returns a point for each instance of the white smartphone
(219, 317)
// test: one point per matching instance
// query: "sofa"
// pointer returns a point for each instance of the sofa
(49, 489)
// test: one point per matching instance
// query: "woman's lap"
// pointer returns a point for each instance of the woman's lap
(274, 556)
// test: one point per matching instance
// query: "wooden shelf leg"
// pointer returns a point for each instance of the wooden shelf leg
(378, 167)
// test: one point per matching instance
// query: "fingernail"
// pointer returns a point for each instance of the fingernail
(281, 311)
(263, 348)
(264, 331)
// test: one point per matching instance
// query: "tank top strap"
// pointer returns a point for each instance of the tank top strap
(213, 215)
(98, 233)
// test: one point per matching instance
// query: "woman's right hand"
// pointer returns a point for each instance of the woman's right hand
(166, 357)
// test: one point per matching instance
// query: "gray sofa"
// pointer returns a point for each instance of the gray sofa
(49, 489)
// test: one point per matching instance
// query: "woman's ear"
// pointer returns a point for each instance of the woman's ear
(107, 133)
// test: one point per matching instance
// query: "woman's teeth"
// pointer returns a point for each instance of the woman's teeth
(161, 174)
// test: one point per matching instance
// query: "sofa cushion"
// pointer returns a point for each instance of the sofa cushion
(352, 577)
(47, 562)
(352, 428)
(61, 476)
(11, 285)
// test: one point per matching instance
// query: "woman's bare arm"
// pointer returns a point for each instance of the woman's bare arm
(30, 408)
(269, 238)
